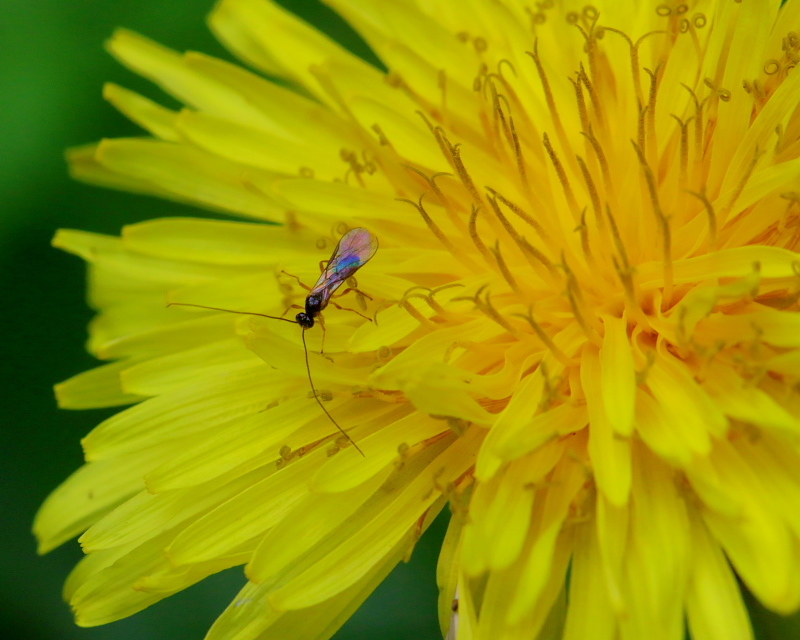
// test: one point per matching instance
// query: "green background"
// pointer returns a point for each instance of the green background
(52, 68)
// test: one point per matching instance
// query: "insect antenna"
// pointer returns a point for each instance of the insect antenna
(242, 313)
(319, 402)
(305, 351)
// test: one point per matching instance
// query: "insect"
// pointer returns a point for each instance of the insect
(354, 250)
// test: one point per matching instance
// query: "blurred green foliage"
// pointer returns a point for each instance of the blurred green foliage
(53, 68)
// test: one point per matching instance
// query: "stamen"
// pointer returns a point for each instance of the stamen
(601, 158)
(431, 299)
(562, 176)
(426, 298)
(438, 135)
(596, 104)
(634, 52)
(382, 139)
(712, 218)
(651, 110)
(504, 268)
(548, 94)
(498, 99)
(620, 246)
(441, 236)
(640, 129)
(589, 36)
(547, 341)
(575, 301)
(698, 125)
(792, 198)
(518, 155)
(356, 168)
(583, 114)
(509, 89)
(429, 180)
(476, 238)
(634, 49)
(534, 253)
(520, 212)
(684, 148)
(723, 215)
(487, 308)
(534, 257)
(409, 308)
(584, 231)
(394, 79)
(593, 195)
(663, 223)
(462, 172)
(457, 221)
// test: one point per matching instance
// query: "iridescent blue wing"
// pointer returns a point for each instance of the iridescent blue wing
(354, 250)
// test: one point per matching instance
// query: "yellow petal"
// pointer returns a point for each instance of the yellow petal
(657, 427)
(217, 241)
(657, 558)
(504, 524)
(120, 332)
(184, 412)
(778, 328)
(277, 41)
(773, 262)
(749, 30)
(84, 166)
(618, 375)
(108, 595)
(347, 469)
(714, 605)
(146, 515)
(168, 69)
(256, 148)
(164, 374)
(312, 519)
(447, 572)
(739, 399)
(98, 387)
(158, 120)
(340, 201)
(500, 589)
(442, 390)
(612, 534)
(567, 480)
(757, 542)
(189, 175)
(610, 454)
(589, 614)
(675, 389)
(250, 614)
(365, 548)
(245, 516)
(91, 492)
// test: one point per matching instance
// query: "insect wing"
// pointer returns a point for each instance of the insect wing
(354, 250)
(357, 242)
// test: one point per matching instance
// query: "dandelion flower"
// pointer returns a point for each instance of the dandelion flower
(583, 331)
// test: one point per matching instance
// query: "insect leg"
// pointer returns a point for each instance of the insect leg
(358, 291)
(321, 262)
(321, 321)
(291, 306)
(300, 282)
(338, 306)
